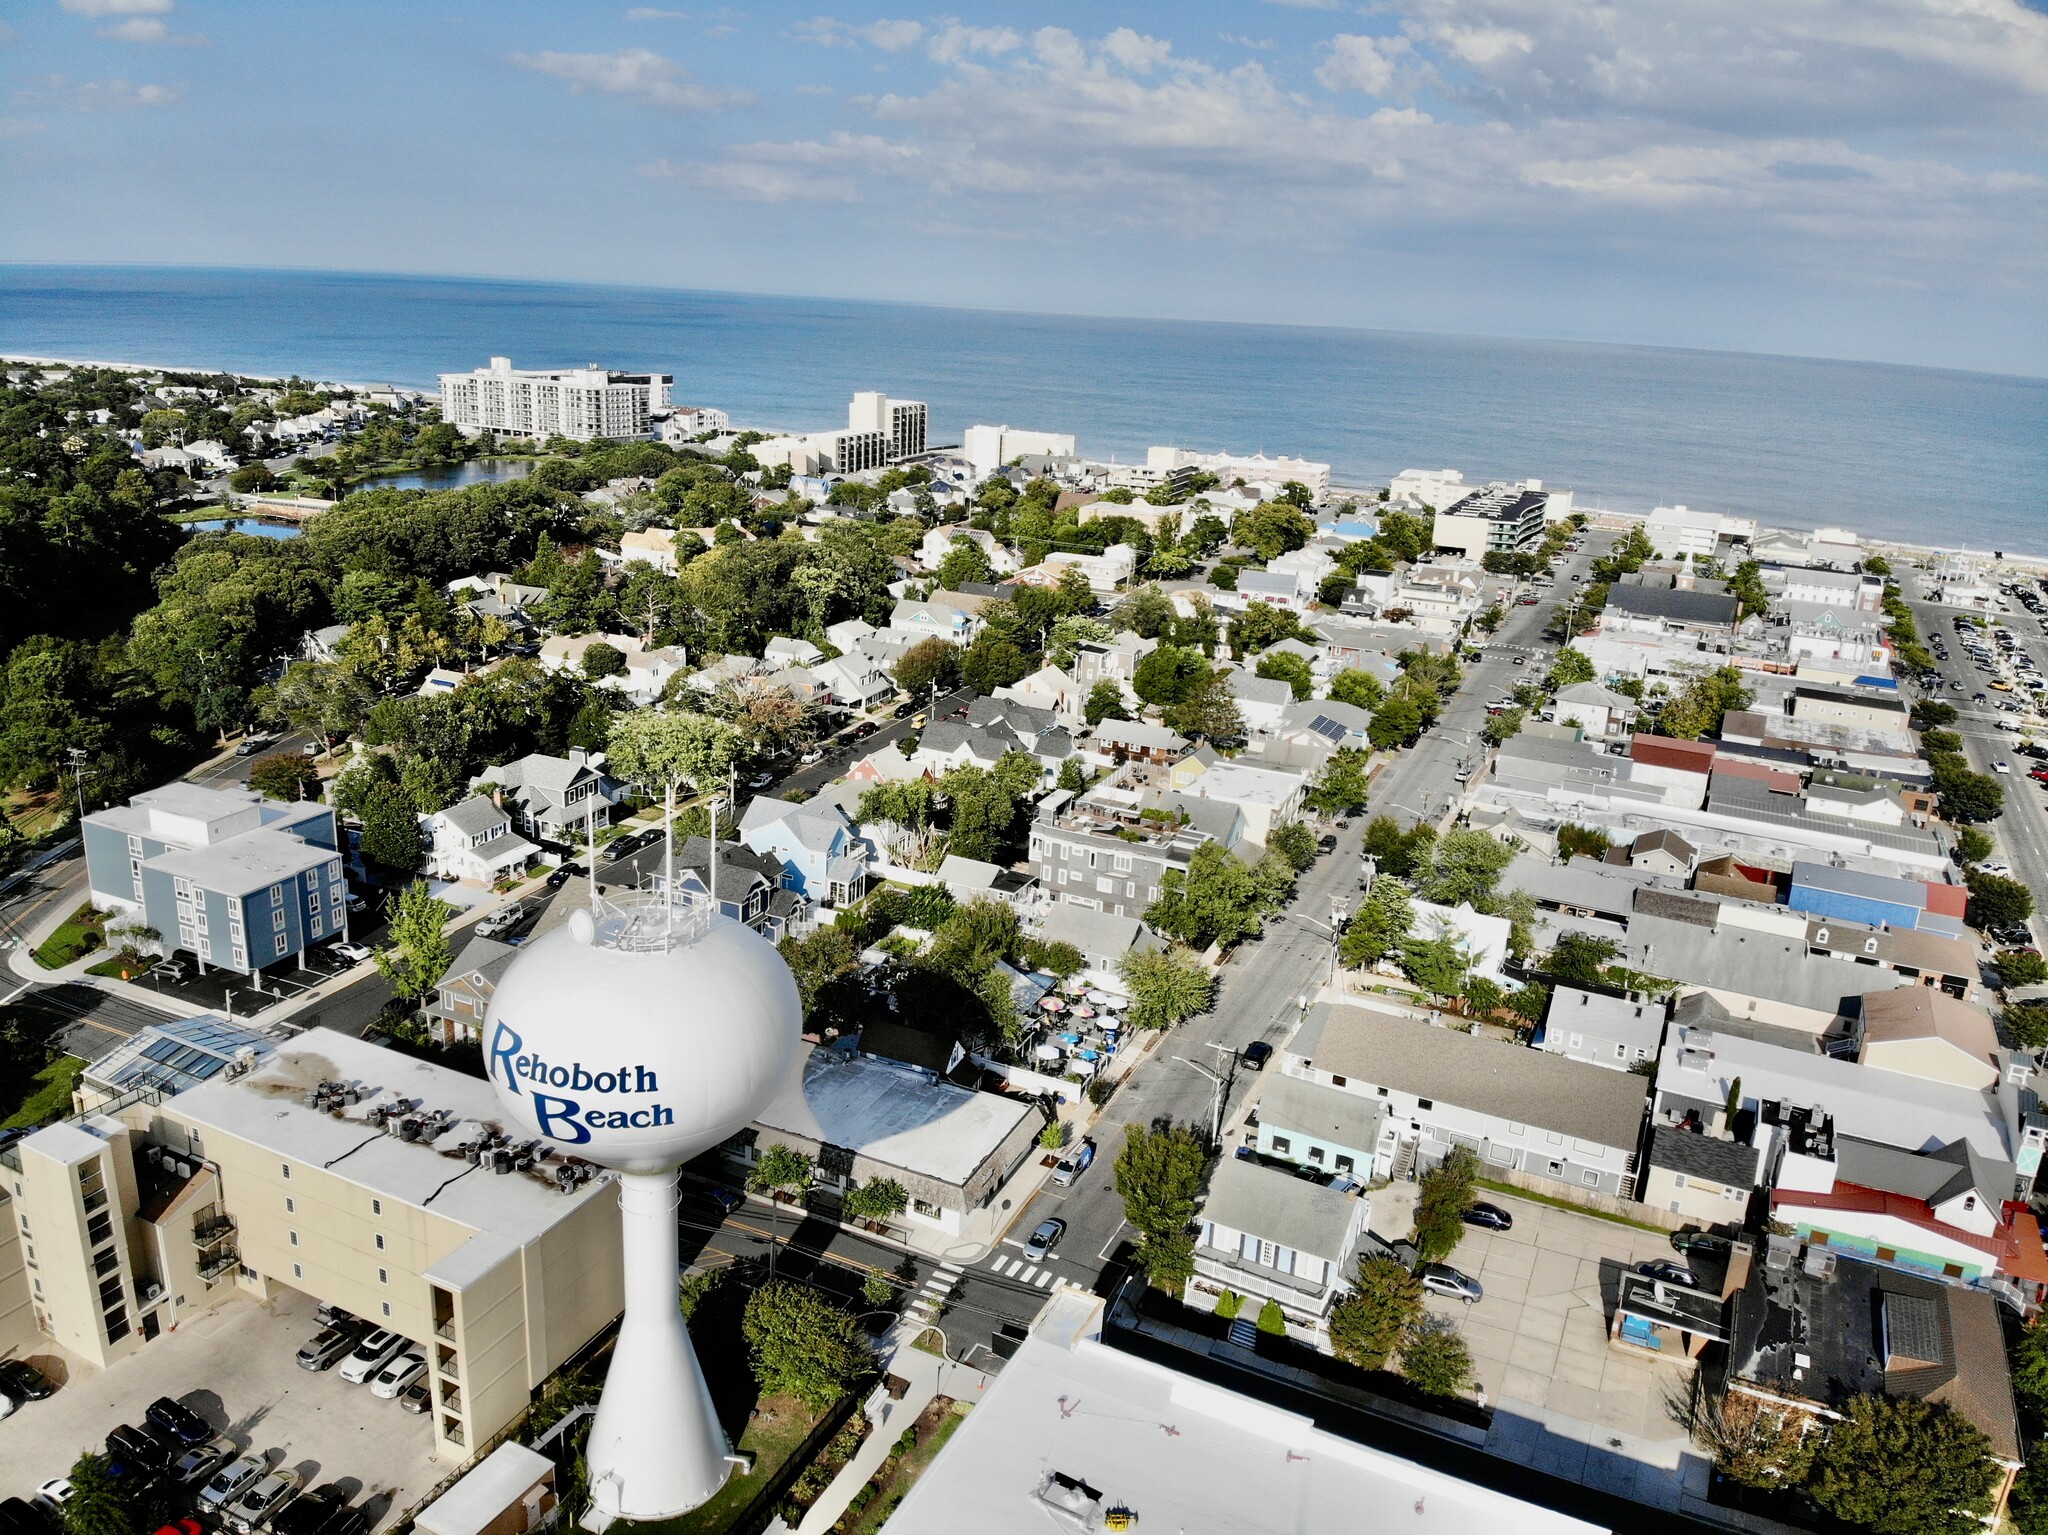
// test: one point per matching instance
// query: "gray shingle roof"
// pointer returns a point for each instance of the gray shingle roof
(1326, 1113)
(1285, 1210)
(1704, 1156)
(474, 816)
(1693, 607)
(1487, 1076)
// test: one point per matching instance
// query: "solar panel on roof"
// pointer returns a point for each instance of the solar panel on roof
(1326, 727)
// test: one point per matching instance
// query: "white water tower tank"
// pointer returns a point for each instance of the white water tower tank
(639, 1036)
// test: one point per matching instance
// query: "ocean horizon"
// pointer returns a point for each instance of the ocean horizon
(1925, 455)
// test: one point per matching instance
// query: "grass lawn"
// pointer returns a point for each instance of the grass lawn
(118, 968)
(1566, 1204)
(903, 1474)
(773, 1437)
(78, 937)
(51, 1095)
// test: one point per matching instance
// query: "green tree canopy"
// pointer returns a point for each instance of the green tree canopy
(928, 662)
(418, 954)
(285, 776)
(1165, 985)
(1381, 926)
(391, 829)
(1362, 690)
(1291, 669)
(1169, 674)
(1342, 787)
(1898, 1466)
(660, 749)
(1434, 1356)
(1159, 1176)
(98, 1505)
(1368, 1324)
(1105, 702)
(803, 1345)
(1463, 865)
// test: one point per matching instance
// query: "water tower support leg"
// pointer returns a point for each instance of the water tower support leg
(656, 1449)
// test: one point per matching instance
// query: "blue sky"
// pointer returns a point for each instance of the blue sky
(1854, 178)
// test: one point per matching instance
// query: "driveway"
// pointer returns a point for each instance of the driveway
(235, 1366)
(1566, 1400)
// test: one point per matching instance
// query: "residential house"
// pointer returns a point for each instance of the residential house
(1658, 852)
(1929, 957)
(1293, 590)
(933, 620)
(646, 674)
(1092, 853)
(1260, 700)
(823, 857)
(1051, 690)
(1102, 936)
(1267, 1235)
(1311, 1125)
(651, 546)
(474, 841)
(1597, 710)
(969, 879)
(455, 1013)
(1709, 1179)
(558, 799)
(1267, 796)
(749, 888)
(1106, 572)
(1137, 741)
(1481, 939)
(1112, 660)
(1926, 1033)
(855, 680)
(939, 542)
(1811, 1331)
(784, 652)
(1326, 721)
(1621, 1033)
(1569, 1127)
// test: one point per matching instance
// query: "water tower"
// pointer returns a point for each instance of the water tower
(637, 1036)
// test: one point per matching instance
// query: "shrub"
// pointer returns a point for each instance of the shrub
(1228, 1304)
(1272, 1320)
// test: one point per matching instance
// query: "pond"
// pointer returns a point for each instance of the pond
(252, 525)
(478, 471)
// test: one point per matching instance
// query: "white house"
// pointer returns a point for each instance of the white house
(1266, 1234)
(933, 620)
(1483, 939)
(939, 542)
(647, 672)
(474, 841)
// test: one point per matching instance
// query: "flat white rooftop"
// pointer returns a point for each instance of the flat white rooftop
(267, 1108)
(1179, 1453)
(891, 1113)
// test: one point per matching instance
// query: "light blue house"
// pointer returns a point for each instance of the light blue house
(1321, 1127)
(823, 856)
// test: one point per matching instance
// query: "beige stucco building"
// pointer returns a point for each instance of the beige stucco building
(337, 1168)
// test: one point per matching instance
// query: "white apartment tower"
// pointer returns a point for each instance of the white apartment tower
(879, 432)
(579, 403)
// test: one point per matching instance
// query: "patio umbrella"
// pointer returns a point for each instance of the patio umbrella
(1104, 999)
(1084, 1011)
(1048, 1052)
(1052, 1004)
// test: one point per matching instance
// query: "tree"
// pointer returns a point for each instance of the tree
(1381, 926)
(1398, 722)
(1698, 709)
(1209, 711)
(1294, 842)
(1272, 1320)
(1159, 1176)
(1169, 674)
(1259, 625)
(1105, 702)
(1575, 841)
(1504, 726)
(1165, 985)
(1973, 845)
(878, 1199)
(1272, 529)
(1342, 787)
(1438, 965)
(1571, 667)
(601, 660)
(1755, 1445)
(1463, 866)
(2028, 1024)
(418, 954)
(780, 1167)
(1931, 713)
(1397, 852)
(2020, 967)
(661, 750)
(992, 663)
(1996, 901)
(285, 776)
(1292, 669)
(1215, 896)
(1901, 1466)
(802, 1345)
(1362, 690)
(1965, 795)
(1747, 586)
(1434, 1357)
(1580, 958)
(98, 1504)
(1367, 1325)
(1441, 1203)
(825, 956)
(928, 662)
(391, 830)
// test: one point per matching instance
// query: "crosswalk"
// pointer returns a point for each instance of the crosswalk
(1024, 1273)
(924, 1307)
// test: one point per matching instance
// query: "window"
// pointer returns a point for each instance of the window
(110, 1291)
(1515, 1129)
(291, 1205)
(1282, 1145)
(383, 1276)
(1344, 1164)
(1315, 1153)
(925, 1208)
(1578, 1040)
(283, 944)
(380, 1241)
(117, 1326)
(284, 1169)
(387, 1308)
(294, 1238)
(1337, 1081)
(1425, 1103)
(1590, 1176)
(1678, 1180)
(1248, 1247)
(98, 1229)
(1621, 1052)
(276, 896)
(298, 1271)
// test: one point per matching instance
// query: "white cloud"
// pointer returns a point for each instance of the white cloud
(119, 7)
(1309, 5)
(59, 93)
(1137, 53)
(149, 29)
(638, 74)
(807, 170)
(954, 43)
(889, 36)
(1374, 65)
(1261, 44)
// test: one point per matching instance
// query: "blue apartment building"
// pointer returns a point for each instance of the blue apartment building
(238, 881)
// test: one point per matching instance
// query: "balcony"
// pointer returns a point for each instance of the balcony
(212, 1229)
(219, 1263)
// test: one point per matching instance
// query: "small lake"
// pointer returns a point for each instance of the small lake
(478, 471)
(251, 525)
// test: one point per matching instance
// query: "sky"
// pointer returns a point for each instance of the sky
(1841, 178)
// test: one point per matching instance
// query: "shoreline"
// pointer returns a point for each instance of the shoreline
(1876, 544)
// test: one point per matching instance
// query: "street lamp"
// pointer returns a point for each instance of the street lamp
(1219, 1087)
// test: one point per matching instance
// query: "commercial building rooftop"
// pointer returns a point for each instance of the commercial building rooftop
(1073, 1430)
(255, 860)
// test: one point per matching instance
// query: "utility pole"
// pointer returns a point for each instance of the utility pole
(77, 756)
(1219, 1087)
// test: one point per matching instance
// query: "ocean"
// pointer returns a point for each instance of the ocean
(1921, 454)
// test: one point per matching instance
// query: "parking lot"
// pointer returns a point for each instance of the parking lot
(236, 1367)
(1566, 1400)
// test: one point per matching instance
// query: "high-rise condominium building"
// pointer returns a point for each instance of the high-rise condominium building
(579, 403)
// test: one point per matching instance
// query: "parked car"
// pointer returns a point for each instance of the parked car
(759, 781)
(179, 1421)
(811, 756)
(327, 1314)
(1490, 1217)
(199, 1463)
(903, 711)
(132, 1447)
(1326, 843)
(312, 1513)
(1073, 1164)
(23, 1381)
(352, 952)
(1044, 1240)
(416, 1398)
(1699, 1242)
(230, 1482)
(865, 729)
(397, 1375)
(500, 921)
(1669, 1272)
(563, 875)
(727, 1200)
(251, 746)
(252, 1511)
(20, 1517)
(371, 1355)
(329, 1348)
(1256, 1054)
(1442, 1279)
(53, 1495)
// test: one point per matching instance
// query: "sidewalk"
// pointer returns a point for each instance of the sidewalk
(929, 1376)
